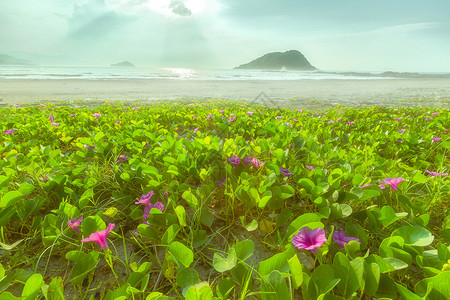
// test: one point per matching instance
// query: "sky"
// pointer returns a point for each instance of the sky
(346, 35)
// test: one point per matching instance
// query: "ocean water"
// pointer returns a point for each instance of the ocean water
(108, 73)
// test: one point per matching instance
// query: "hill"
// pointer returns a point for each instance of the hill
(124, 64)
(9, 60)
(289, 60)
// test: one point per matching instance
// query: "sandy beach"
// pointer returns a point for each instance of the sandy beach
(293, 93)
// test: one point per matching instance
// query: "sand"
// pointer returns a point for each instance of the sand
(294, 93)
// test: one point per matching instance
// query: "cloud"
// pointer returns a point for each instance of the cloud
(179, 8)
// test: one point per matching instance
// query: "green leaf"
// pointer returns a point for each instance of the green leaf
(386, 288)
(170, 234)
(180, 212)
(84, 199)
(349, 281)
(244, 249)
(296, 271)
(225, 286)
(92, 224)
(190, 199)
(420, 178)
(388, 216)
(32, 287)
(407, 294)
(440, 286)
(9, 199)
(181, 253)
(322, 281)
(56, 289)
(372, 278)
(414, 235)
(187, 277)
(277, 284)
(222, 264)
(277, 262)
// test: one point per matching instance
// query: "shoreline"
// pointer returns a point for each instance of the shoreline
(304, 93)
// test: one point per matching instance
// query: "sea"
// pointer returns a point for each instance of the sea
(111, 73)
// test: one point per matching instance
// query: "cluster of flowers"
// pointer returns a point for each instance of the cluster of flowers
(312, 240)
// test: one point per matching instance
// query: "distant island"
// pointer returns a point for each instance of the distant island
(124, 64)
(9, 60)
(289, 60)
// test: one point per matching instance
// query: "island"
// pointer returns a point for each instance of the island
(9, 60)
(124, 64)
(289, 60)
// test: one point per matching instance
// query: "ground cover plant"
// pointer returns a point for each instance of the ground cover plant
(224, 200)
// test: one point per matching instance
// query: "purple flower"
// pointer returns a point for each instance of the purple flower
(393, 182)
(247, 160)
(400, 140)
(427, 118)
(74, 224)
(148, 208)
(51, 118)
(309, 239)
(382, 186)
(112, 103)
(222, 111)
(363, 186)
(310, 167)
(398, 119)
(96, 115)
(436, 173)
(231, 119)
(55, 124)
(341, 238)
(350, 123)
(100, 237)
(285, 172)
(401, 131)
(72, 115)
(234, 160)
(436, 139)
(257, 163)
(122, 158)
(118, 121)
(435, 114)
(221, 181)
(145, 199)
(9, 131)
(43, 179)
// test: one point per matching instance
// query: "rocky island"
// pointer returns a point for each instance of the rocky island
(289, 60)
(124, 64)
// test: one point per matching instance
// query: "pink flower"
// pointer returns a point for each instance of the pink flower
(299, 110)
(196, 129)
(398, 119)
(112, 103)
(310, 167)
(222, 111)
(43, 179)
(294, 120)
(191, 104)
(221, 181)
(357, 105)
(100, 237)
(250, 113)
(72, 115)
(382, 186)
(145, 199)
(427, 118)
(208, 117)
(9, 131)
(436, 139)
(393, 182)
(136, 108)
(74, 224)
(363, 186)
(16, 105)
(285, 172)
(278, 117)
(401, 131)
(339, 119)
(51, 118)
(231, 119)
(42, 105)
(400, 140)
(256, 162)
(309, 239)
(158, 205)
(122, 158)
(195, 118)
(55, 124)
(118, 121)
(350, 122)
(96, 115)
(341, 238)
(77, 106)
(234, 160)
(435, 114)
(330, 122)
(436, 173)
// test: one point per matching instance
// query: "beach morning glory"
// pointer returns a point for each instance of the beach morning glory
(256, 162)
(55, 124)
(309, 239)
(436, 173)
(234, 160)
(158, 205)
(393, 182)
(436, 139)
(196, 129)
(310, 167)
(96, 115)
(145, 199)
(401, 131)
(247, 159)
(9, 131)
(122, 158)
(250, 113)
(74, 224)
(100, 237)
(285, 172)
(341, 238)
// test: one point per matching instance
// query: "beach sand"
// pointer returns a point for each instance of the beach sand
(294, 93)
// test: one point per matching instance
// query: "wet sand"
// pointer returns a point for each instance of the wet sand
(293, 93)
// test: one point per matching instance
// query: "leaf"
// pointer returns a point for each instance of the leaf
(277, 284)
(322, 281)
(55, 289)
(244, 249)
(414, 235)
(181, 253)
(32, 287)
(9, 199)
(349, 281)
(190, 199)
(222, 264)
(225, 286)
(372, 278)
(276, 262)
(387, 287)
(187, 277)
(10, 247)
(296, 271)
(440, 286)
(388, 216)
